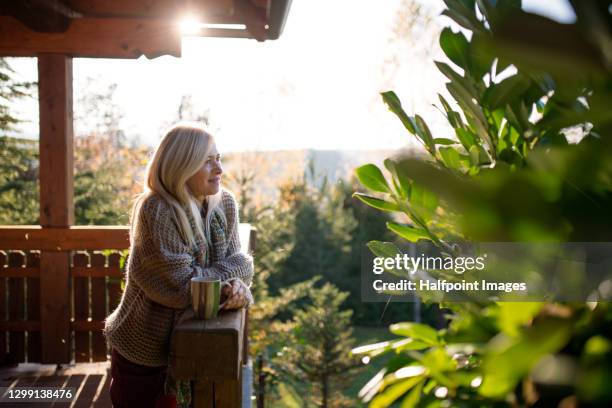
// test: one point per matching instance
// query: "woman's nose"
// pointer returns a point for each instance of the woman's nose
(218, 168)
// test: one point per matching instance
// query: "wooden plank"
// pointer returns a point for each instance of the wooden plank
(34, 347)
(55, 307)
(27, 272)
(41, 15)
(252, 239)
(20, 326)
(212, 9)
(87, 325)
(114, 283)
(3, 299)
(16, 306)
(74, 238)
(228, 393)
(97, 272)
(203, 394)
(245, 337)
(56, 199)
(94, 38)
(81, 238)
(81, 309)
(98, 309)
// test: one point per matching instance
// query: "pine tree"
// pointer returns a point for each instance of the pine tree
(318, 347)
(19, 165)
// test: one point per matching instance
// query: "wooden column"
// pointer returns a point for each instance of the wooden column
(56, 200)
(209, 353)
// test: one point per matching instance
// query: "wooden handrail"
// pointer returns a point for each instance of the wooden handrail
(82, 237)
(72, 238)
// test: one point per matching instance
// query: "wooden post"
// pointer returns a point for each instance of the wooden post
(56, 200)
(209, 353)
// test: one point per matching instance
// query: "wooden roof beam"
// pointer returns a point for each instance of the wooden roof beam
(94, 38)
(46, 16)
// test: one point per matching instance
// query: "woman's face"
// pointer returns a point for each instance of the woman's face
(207, 180)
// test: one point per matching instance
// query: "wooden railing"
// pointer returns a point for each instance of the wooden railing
(92, 282)
(57, 285)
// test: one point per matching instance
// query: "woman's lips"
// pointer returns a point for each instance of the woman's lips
(215, 179)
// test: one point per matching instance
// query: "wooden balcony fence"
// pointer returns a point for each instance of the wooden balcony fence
(31, 301)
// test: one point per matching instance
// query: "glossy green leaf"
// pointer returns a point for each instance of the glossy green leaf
(402, 186)
(455, 77)
(511, 358)
(425, 133)
(395, 391)
(456, 47)
(444, 141)
(466, 138)
(464, 14)
(450, 157)
(408, 232)
(474, 155)
(409, 344)
(414, 396)
(423, 200)
(416, 331)
(377, 202)
(384, 249)
(506, 92)
(438, 361)
(511, 316)
(395, 106)
(371, 177)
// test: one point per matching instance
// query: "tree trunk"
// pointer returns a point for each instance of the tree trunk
(325, 390)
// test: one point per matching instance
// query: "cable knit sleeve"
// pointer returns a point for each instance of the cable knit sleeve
(236, 264)
(166, 263)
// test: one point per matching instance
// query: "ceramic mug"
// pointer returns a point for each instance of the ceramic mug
(205, 296)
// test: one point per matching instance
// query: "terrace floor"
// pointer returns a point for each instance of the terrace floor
(92, 381)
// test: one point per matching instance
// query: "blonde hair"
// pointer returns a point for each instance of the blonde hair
(179, 155)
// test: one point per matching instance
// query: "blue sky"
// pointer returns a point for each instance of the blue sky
(315, 87)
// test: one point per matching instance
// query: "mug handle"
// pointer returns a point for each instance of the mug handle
(226, 283)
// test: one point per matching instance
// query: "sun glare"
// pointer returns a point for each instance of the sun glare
(190, 26)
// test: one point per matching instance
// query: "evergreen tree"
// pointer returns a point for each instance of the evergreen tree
(10, 90)
(318, 347)
(19, 165)
(18, 181)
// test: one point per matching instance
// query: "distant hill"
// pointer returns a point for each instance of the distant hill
(267, 170)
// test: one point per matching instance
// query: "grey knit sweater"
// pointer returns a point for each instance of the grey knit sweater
(158, 278)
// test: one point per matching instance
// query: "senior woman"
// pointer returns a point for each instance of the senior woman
(183, 225)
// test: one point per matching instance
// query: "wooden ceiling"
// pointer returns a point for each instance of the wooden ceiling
(129, 28)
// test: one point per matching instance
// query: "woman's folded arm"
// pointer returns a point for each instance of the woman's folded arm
(167, 266)
(235, 266)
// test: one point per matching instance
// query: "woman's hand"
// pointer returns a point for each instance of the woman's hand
(236, 295)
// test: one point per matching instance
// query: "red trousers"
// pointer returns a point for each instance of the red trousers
(137, 386)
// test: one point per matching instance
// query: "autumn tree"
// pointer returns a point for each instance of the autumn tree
(108, 171)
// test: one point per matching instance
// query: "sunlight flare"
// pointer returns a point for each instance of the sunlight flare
(189, 25)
